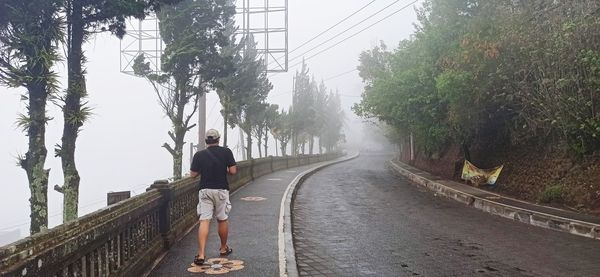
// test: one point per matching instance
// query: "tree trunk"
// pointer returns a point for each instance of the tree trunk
(320, 147)
(266, 143)
(33, 162)
(35, 158)
(466, 151)
(248, 146)
(73, 118)
(311, 143)
(178, 157)
(244, 152)
(294, 141)
(259, 144)
(283, 148)
(179, 130)
(225, 119)
(303, 147)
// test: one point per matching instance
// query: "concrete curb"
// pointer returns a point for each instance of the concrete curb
(535, 218)
(287, 254)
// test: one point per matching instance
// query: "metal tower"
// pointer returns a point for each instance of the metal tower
(265, 20)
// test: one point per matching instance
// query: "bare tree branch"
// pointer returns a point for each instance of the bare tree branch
(170, 149)
(58, 189)
(171, 135)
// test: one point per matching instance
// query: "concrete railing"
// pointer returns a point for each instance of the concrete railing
(126, 238)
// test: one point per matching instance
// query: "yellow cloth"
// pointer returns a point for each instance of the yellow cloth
(490, 175)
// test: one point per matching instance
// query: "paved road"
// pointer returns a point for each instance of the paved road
(357, 219)
(253, 231)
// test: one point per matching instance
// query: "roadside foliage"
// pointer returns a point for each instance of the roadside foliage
(497, 82)
(517, 71)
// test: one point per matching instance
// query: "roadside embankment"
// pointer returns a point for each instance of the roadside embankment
(529, 213)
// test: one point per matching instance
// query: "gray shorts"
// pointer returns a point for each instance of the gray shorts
(213, 202)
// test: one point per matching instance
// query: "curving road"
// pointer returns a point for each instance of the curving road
(357, 219)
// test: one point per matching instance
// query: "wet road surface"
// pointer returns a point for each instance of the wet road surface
(357, 219)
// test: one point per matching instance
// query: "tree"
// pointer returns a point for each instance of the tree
(265, 120)
(333, 122)
(302, 114)
(270, 120)
(192, 62)
(282, 130)
(319, 126)
(84, 19)
(30, 32)
(232, 86)
(257, 126)
(252, 88)
(491, 73)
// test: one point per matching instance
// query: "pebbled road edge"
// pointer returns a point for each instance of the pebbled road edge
(535, 218)
(287, 254)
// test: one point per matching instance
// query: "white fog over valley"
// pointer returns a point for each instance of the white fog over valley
(119, 148)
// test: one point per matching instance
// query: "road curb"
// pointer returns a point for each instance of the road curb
(531, 217)
(287, 254)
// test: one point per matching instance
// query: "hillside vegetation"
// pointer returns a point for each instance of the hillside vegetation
(499, 82)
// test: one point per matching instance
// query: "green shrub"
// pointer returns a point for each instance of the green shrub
(552, 194)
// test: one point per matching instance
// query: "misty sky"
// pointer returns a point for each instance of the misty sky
(120, 147)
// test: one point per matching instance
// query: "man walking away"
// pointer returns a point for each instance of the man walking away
(213, 164)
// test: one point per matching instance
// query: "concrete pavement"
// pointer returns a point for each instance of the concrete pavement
(254, 231)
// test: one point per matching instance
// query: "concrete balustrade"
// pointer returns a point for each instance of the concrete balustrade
(126, 238)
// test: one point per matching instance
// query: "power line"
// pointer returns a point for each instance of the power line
(340, 75)
(355, 34)
(215, 121)
(348, 29)
(330, 78)
(213, 107)
(328, 29)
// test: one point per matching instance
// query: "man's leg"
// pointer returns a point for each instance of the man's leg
(223, 233)
(203, 237)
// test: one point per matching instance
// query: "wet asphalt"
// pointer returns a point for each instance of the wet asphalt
(357, 219)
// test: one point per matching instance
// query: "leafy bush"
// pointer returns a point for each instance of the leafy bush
(552, 194)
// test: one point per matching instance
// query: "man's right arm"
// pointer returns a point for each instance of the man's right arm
(231, 164)
(232, 170)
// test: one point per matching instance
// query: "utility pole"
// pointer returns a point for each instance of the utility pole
(294, 152)
(201, 121)
(193, 150)
(242, 143)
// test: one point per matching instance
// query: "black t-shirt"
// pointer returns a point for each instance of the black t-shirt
(212, 164)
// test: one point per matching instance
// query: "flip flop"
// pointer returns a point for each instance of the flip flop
(198, 261)
(228, 251)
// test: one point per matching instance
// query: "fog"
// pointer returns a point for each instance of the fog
(120, 146)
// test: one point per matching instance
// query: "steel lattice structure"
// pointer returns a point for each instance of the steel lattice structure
(265, 20)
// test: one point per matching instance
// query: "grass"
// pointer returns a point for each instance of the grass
(552, 194)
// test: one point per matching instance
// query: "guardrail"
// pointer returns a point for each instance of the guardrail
(126, 238)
